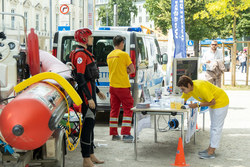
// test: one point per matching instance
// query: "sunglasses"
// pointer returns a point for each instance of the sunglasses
(214, 44)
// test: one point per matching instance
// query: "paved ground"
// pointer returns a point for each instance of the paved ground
(234, 150)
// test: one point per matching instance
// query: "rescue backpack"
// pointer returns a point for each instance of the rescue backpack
(91, 71)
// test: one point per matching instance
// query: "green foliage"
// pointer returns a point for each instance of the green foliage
(104, 14)
(224, 11)
(203, 18)
(243, 27)
(160, 12)
(124, 11)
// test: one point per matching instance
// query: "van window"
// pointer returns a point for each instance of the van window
(142, 53)
(153, 50)
(102, 46)
(68, 45)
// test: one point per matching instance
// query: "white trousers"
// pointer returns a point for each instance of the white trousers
(217, 117)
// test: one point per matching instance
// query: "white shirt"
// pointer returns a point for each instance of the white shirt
(213, 57)
(243, 58)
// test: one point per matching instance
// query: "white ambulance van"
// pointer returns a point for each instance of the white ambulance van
(144, 52)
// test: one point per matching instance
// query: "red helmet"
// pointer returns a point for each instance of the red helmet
(81, 35)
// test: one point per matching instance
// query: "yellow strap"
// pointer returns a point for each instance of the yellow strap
(50, 75)
(70, 146)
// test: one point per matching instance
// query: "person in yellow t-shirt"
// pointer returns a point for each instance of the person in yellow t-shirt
(216, 99)
(120, 66)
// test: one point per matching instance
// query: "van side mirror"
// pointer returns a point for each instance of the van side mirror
(165, 58)
(162, 59)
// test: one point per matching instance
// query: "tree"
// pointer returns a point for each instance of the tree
(160, 12)
(233, 13)
(243, 27)
(203, 19)
(124, 11)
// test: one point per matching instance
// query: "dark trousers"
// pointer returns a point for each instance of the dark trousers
(88, 116)
(87, 137)
(243, 65)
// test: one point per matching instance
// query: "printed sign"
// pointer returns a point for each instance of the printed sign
(178, 27)
(64, 9)
(63, 28)
(190, 43)
(191, 124)
(64, 2)
(90, 15)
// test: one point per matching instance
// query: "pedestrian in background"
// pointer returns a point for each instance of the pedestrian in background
(216, 99)
(120, 66)
(243, 61)
(211, 59)
(86, 73)
(238, 59)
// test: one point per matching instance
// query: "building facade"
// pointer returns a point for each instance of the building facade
(142, 17)
(37, 14)
(98, 4)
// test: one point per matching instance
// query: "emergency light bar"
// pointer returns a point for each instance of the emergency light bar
(136, 29)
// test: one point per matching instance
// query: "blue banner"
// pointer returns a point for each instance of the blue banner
(178, 27)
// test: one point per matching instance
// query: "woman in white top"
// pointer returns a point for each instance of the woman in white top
(243, 60)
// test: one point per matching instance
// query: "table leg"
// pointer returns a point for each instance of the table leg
(203, 121)
(182, 129)
(194, 136)
(135, 135)
(155, 128)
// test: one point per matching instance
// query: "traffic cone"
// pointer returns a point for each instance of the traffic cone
(180, 157)
(197, 129)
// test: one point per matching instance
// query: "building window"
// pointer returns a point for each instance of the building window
(133, 19)
(12, 19)
(140, 9)
(37, 22)
(73, 23)
(80, 3)
(26, 19)
(140, 19)
(45, 23)
(147, 18)
(57, 21)
(80, 23)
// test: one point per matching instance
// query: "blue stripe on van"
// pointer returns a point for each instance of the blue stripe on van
(158, 81)
(151, 83)
(102, 84)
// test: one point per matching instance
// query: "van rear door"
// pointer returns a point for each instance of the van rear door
(102, 46)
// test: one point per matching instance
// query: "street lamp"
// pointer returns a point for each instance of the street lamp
(115, 14)
(50, 30)
(3, 15)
